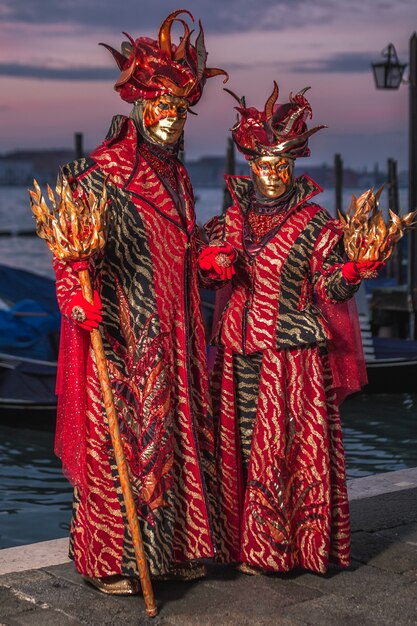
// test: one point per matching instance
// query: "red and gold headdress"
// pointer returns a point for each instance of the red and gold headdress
(150, 68)
(278, 130)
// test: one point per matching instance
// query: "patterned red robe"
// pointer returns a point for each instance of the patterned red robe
(283, 497)
(155, 348)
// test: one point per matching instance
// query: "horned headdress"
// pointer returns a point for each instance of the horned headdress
(278, 130)
(150, 68)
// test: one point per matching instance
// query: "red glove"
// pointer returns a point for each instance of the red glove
(217, 261)
(81, 312)
(354, 271)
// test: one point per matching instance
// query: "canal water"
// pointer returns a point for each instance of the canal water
(380, 435)
(35, 498)
(380, 431)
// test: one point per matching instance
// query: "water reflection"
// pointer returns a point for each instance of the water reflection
(35, 499)
(380, 435)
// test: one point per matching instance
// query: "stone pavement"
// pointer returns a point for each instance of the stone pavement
(378, 589)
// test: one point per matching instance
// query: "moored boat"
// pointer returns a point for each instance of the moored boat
(29, 336)
(27, 392)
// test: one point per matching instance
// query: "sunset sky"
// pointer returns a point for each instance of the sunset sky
(55, 80)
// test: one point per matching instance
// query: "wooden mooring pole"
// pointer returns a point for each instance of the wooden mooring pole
(78, 145)
(394, 267)
(412, 182)
(338, 183)
(230, 168)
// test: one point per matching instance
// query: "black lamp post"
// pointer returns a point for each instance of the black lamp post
(388, 75)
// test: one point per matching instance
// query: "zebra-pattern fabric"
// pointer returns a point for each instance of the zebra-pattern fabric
(290, 507)
(283, 499)
(273, 301)
(246, 371)
(154, 341)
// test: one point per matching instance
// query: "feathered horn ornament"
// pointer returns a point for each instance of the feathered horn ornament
(367, 237)
(150, 67)
(278, 129)
(287, 129)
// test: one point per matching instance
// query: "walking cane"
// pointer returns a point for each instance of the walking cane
(75, 230)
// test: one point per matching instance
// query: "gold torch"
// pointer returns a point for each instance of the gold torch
(366, 235)
(75, 230)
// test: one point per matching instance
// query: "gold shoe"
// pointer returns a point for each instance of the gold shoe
(184, 571)
(115, 585)
(250, 570)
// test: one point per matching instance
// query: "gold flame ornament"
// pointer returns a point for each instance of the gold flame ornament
(366, 235)
(75, 227)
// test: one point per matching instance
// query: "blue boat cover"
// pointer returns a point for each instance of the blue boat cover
(30, 327)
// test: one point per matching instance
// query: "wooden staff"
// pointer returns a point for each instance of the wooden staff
(75, 230)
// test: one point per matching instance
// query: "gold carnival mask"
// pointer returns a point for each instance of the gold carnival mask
(272, 175)
(164, 118)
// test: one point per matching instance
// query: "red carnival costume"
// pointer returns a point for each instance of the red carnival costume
(152, 331)
(283, 496)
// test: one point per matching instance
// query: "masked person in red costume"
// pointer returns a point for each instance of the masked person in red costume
(147, 304)
(283, 497)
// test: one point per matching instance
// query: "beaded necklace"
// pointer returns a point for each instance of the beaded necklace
(163, 162)
(261, 224)
(265, 216)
